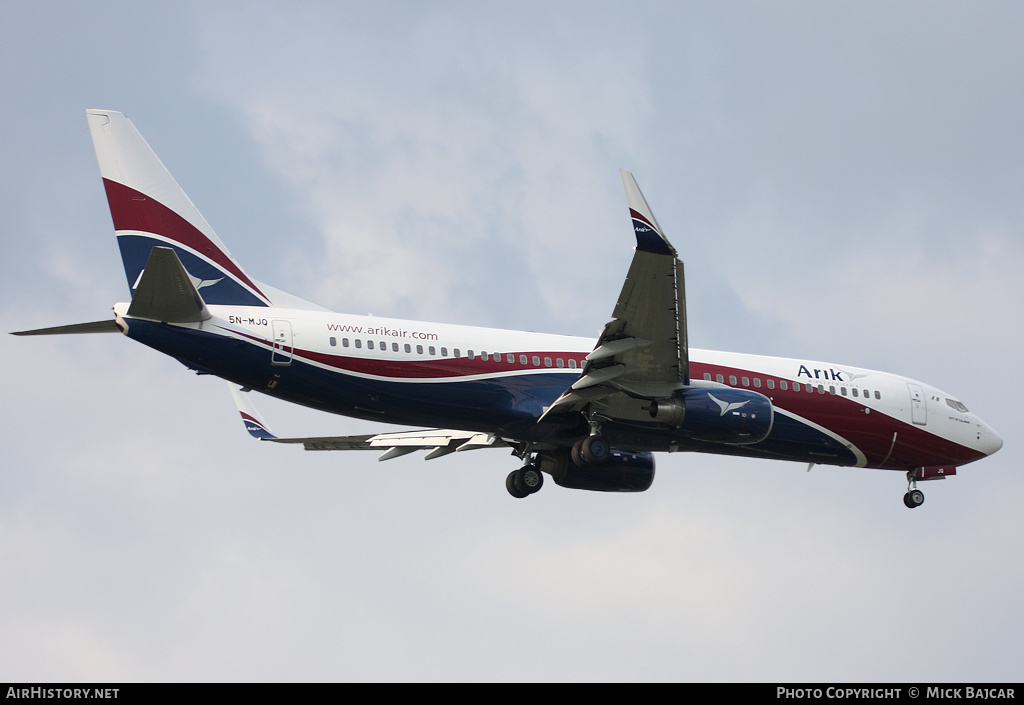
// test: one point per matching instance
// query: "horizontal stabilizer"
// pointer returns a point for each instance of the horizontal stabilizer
(165, 291)
(107, 326)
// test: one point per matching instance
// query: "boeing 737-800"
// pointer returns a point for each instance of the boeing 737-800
(587, 413)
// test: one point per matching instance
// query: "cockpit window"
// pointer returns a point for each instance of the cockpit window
(957, 405)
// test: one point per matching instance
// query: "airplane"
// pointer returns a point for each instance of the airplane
(588, 414)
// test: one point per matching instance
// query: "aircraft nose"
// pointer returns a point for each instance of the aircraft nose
(988, 440)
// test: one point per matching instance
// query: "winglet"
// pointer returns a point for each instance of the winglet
(649, 236)
(250, 417)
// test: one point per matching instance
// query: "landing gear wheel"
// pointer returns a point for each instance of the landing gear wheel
(530, 478)
(913, 498)
(513, 487)
(524, 481)
(592, 450)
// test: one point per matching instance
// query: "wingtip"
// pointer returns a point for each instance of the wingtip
(649, 235)
(256, 427)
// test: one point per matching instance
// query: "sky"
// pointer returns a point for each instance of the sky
(842, 181)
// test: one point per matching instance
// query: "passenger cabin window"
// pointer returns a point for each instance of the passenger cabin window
(359, 343)
(394, 347)
(560, 362)
(720, 379)
(572, 364)
(334, 342)
(344, 342)
(419, 349)
(431, 350)
(444, 352)
(784, 385)
(408, 348)
(771, 384)
(707, 376)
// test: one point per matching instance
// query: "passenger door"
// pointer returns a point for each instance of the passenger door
(282, 354)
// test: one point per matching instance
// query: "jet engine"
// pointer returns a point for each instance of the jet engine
(717, 415)
(621, 472)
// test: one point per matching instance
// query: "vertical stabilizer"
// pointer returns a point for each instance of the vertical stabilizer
(149, 210)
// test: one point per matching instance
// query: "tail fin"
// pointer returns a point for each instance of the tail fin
(149, 209)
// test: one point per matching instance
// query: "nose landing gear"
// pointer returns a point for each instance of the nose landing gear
(914, 497)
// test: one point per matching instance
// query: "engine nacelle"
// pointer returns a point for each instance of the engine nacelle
(717, 415)
(622, 472)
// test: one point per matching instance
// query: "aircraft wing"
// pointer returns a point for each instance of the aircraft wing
(642, 353)
(437, 442)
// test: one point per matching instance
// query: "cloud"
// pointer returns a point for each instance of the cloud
(414, 162)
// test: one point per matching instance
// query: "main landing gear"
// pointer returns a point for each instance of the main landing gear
(592, 450)
(524, 481)
(914, 497)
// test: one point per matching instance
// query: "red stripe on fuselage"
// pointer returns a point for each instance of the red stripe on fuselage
(870, 431)
(434, 368)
